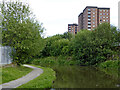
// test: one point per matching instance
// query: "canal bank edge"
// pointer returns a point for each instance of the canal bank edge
(45, 80)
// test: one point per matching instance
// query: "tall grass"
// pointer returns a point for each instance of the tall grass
(51, 61)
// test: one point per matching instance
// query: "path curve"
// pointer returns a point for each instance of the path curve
(30, 76)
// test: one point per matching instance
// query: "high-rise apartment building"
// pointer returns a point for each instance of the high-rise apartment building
(73, 28)
(92, 16)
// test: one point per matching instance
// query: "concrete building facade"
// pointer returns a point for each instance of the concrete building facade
(73, 28)
(92, 16)
(80, 22)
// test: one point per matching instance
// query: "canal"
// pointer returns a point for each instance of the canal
(83, 77)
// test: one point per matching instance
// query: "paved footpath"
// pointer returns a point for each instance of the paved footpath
(30, 76)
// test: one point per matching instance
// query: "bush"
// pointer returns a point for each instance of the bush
(55, 46)
(110, 67)
(93, 47)
(59, 46)
(110, 64)
(51, 61)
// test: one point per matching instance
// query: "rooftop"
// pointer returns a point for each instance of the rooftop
(93, 7)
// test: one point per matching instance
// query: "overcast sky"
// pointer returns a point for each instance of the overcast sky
(57, 14)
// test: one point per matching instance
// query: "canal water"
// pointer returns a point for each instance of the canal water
(83, 77)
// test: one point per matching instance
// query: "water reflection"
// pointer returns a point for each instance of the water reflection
(82, 77)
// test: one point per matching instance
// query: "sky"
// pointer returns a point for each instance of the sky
(57, 14)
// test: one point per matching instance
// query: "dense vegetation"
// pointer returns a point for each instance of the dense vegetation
(54, 61)
(110, 64)
(85, 48)
(110, 67)
(21, 31)
(93, 47)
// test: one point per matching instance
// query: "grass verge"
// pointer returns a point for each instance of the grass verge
(51, 61)
(13, 73)
(45, 80)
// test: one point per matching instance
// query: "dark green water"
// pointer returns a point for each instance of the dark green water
(83, 77)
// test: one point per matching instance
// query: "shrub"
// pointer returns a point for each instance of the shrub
(110, 64)
(93, 47)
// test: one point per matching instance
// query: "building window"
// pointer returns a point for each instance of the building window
(93, 9)
(107, 13)
(104, 20)
(100, 20)
(93, 25)
(89, 29)
(93, 19)
(89, 19)
(107, 20)
(89, 9)
(100, 10)
(103, 10)
(93, 15)
(89, 22)
(89, 26)
(89, 16)
(106, 17)
(107, 10)
(103, 13)
(100, 13)
(93, 22)
(101, 17)
(89, 12)
(93, 12)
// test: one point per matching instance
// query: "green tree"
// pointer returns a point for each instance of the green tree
(67, 35)
(93, 47)
(48, 42)
(20, 31)
(59, 47)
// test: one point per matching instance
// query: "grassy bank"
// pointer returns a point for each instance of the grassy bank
(13, 73)
(110, 67)
(50, 61)
(43, 81)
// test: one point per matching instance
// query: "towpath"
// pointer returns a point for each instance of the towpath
(30, 76)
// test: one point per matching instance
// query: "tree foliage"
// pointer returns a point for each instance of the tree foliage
(20, 31)
(86, 47)
(93, 47)
(57, 45)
